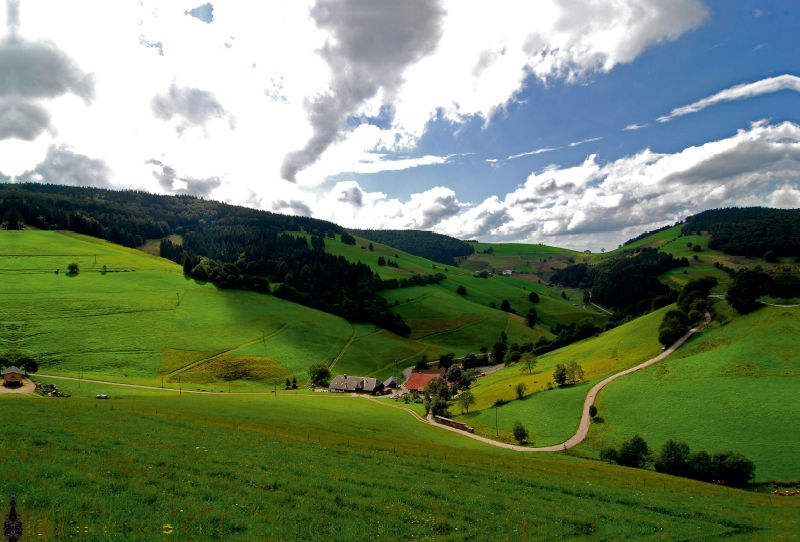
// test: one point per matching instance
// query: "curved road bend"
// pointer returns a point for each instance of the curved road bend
(583, 427)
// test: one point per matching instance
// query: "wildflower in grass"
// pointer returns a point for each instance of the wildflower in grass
(166, 529)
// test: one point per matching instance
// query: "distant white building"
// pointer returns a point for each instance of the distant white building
(508, 272)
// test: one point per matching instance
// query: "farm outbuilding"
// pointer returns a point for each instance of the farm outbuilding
(12, 377)
(391, 383)
(418, 381)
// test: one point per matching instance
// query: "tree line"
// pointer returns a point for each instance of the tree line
(750, 231)
(432, 246)
(677, 459)
(235, 247)
(624, 280)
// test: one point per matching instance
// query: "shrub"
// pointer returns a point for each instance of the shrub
(770, 256)
(634, 453)
(746, 288)
(461, 290)
(520, 433)
(533, 297)
(520, 390)
(696, 248)
(592, 411)
(609, 454)
(505, 306)
(318, 373)
(73, 268)
(673, 326)
(673, 459)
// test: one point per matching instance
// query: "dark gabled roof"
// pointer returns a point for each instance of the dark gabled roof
(12, 370)
(355, 383)
(392, 381)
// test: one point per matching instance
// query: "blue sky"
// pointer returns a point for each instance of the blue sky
(733, 46)
(502, 121)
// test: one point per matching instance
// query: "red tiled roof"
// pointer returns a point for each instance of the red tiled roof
(417, 381)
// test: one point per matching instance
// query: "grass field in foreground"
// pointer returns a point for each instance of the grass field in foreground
(733, 387)
(144, 463)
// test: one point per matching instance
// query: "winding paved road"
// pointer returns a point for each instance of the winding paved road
(583, 428)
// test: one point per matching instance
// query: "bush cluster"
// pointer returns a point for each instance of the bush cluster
(676, 459)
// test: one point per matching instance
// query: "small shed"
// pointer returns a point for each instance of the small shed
(391, 383)
(12, 377)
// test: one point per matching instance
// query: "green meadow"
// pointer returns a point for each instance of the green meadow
(299, 466)
(552, 415)
(145, 465)
(732, 387)
(133, 317)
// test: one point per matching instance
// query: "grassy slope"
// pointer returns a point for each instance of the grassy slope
(131, 325)
(266, 468)
(733, 387)
(552, 416)
(521, 257)
(449, 322)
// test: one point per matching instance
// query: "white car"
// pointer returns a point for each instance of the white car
(101, 396)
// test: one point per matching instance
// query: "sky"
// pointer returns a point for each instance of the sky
(576, 123)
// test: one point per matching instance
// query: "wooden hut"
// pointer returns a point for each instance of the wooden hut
(12, 377)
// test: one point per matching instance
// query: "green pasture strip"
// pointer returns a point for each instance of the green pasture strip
(374, 352)
(277, 468)
(408, 264)
(733, 387)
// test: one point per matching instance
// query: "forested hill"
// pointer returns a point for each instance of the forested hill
(235, 247)
(749, 231)
(428, 245)
(129, 217)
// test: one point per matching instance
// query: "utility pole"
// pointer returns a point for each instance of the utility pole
(263, 339)
(496, 429)
(180, 389)
(162, 382)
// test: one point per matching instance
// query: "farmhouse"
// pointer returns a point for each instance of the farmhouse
(12, 377)
(356, 384)
(508, 272)
(418, 381)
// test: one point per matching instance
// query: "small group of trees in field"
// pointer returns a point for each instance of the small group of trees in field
(73, 268)
(570, 373)
(676, 458)
(782, 281)
(691, 309)
(383, 261)
(291, 384)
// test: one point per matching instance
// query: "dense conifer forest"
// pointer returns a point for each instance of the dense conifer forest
(429, 245)
(622, 281)
(749, 231)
